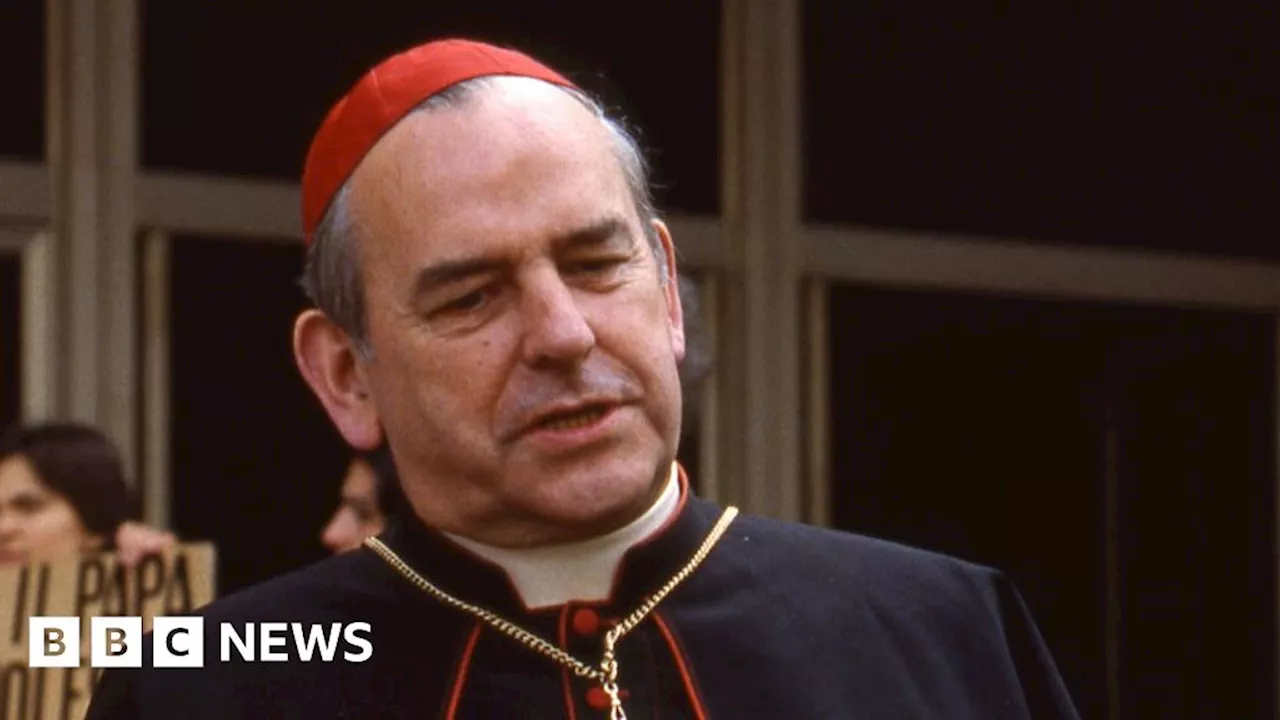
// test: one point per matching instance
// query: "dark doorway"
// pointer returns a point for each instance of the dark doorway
(10, 339)
(1009, 431)
(255, 463)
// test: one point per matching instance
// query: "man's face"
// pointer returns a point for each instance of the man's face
(524, 348)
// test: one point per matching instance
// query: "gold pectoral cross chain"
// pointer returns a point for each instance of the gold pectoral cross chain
(607, 671)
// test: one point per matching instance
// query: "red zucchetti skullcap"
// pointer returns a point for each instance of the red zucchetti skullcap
(383, 97)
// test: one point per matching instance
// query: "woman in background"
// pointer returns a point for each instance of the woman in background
(63, 493)
(370, 495)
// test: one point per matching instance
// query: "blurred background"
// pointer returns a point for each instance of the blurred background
(991, 279)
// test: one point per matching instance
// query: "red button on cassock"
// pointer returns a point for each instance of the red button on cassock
(586, 621)
(598, 698)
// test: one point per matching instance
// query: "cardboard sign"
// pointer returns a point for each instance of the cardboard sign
(172, 583)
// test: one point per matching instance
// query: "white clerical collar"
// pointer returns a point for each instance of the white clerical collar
(581, 571)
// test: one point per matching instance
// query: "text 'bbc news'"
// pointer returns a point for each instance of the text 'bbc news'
(178, 642)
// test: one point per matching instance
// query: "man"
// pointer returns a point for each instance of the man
(370, 492)
(497, 302)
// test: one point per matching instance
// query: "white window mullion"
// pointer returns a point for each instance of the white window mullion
(92, 151)
(762, 333)
(900, 258)
(730, 384)
(156, 389)
(38, 328)
(118, 388)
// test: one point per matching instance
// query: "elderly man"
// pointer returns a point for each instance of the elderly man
(497, 301)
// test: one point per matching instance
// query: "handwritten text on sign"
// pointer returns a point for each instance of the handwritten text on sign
(174, 583)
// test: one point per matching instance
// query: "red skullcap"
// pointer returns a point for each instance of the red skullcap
(383, 97)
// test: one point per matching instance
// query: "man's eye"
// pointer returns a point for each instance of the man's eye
(594, 266)
(471, 301)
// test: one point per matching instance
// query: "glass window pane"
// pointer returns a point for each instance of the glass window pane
(1126, 127)
(1195, 429)
(979, 426)
(956, 423)
(22, 45)
(10, 339)
(255, 462)
(254, 110)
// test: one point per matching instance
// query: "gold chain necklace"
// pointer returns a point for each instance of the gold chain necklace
(607, 671)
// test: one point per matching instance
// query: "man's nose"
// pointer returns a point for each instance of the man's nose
(556, 332)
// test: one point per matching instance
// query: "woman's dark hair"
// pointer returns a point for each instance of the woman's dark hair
(79, 463)
(391, 499)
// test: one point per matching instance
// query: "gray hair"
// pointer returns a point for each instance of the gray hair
(332, 278)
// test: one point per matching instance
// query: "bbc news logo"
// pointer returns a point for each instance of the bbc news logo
(178, 642)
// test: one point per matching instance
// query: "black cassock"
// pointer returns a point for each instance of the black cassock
(780, 621)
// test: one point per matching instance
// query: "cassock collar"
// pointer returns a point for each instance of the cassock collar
(642, 570)
(580, 571)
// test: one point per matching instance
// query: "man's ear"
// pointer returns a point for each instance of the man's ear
(328, 362)
(675, 310)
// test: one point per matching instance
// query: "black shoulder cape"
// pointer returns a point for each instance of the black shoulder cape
(781, 621)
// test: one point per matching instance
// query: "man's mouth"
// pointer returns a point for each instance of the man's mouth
(572, 419)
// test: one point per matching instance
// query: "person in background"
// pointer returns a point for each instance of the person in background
(370, 494)
(63, 493)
